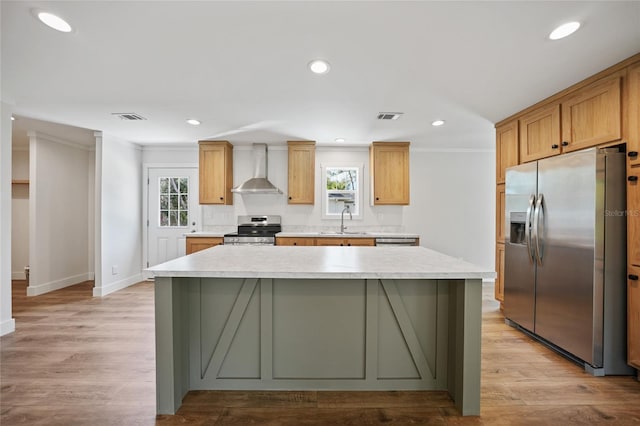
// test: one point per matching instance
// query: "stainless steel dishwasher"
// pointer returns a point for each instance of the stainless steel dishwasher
(397, 241)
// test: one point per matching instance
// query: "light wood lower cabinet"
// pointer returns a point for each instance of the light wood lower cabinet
(499, 287)
(195, 244)
(324, 241)
(345, 241)
(295, 241)
(633, 317)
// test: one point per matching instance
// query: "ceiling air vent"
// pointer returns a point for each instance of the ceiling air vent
(389, 115)
(131, 116)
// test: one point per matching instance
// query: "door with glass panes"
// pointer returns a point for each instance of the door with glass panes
(173, 211)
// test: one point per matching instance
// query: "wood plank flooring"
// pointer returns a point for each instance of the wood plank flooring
(79, 360)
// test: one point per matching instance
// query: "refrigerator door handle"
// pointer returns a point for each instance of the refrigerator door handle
(538, 228)
(527, 227)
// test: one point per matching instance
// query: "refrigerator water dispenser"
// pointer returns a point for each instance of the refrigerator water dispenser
(517, 222)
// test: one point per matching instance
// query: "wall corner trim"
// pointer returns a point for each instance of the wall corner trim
(8, 326)
(118, 285)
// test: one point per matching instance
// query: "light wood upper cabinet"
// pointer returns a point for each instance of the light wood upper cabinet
(500, 212)
(540, 133)
(389, 164)
(216, 172)
(506, 148)
(633, 215)
(499, 286)
(592, 116)
(633, 317)
(633, 123)
(195, 244)
(302, 170)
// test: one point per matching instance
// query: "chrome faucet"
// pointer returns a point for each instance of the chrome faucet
(347, 208)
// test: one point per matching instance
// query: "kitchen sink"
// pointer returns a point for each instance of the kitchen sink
(343, 233)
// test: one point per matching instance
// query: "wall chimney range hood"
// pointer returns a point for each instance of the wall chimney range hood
(258, 184)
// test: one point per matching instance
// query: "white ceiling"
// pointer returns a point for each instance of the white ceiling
(241, 67)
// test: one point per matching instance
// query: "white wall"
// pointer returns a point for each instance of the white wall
(7, 324)
(119, 214)
(452, 198)
(20, 215)
(58, 219)
(453, 203)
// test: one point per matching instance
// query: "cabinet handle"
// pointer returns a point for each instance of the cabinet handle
(565, 143)
(633, 277)
(290, 198)
(377, 198)
(341, 244)
(295, 244)
(349, 244)
(632, 178)
(633, 154)
(221, 198)
(554, 146)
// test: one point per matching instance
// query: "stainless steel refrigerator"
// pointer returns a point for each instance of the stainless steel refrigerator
(565, 256)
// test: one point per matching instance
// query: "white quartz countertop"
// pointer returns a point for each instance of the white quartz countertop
(347, 234)
(207, 234)
(320, 262)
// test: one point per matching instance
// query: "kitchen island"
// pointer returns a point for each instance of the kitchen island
(318, 318)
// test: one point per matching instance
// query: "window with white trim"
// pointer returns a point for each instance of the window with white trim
(341, 187)
(174, 202)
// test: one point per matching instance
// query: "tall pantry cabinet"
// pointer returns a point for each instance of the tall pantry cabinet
(633, 215)
(506, 156)
(602, 111)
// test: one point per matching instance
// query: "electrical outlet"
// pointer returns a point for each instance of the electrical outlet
(114, 270)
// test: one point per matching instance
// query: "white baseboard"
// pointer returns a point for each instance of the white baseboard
(92, 276)
(118, 285)
(18, 275)
(36, 290)
(8, 326)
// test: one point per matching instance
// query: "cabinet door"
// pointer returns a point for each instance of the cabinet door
(330, 242)
(540, 133)
(294, 241)
(506, 148)
(389, 163)
(633, 317)
(360, 242)
(302, 169)
(216, 172)
(633, 215)
(499, 287)
(500, 212)
(195, 244)
(633, 126)
(592, 116)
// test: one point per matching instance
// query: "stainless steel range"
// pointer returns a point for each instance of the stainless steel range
(255, 230)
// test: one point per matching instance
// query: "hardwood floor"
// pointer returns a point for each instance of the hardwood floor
(78, 360)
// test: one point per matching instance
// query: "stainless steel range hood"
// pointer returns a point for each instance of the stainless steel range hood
(258, 184)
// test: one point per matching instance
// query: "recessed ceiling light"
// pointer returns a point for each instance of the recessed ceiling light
(319, 66)
(564, 30)
(54, 21)
(437, 123)
(339, 140)
(193, 122)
